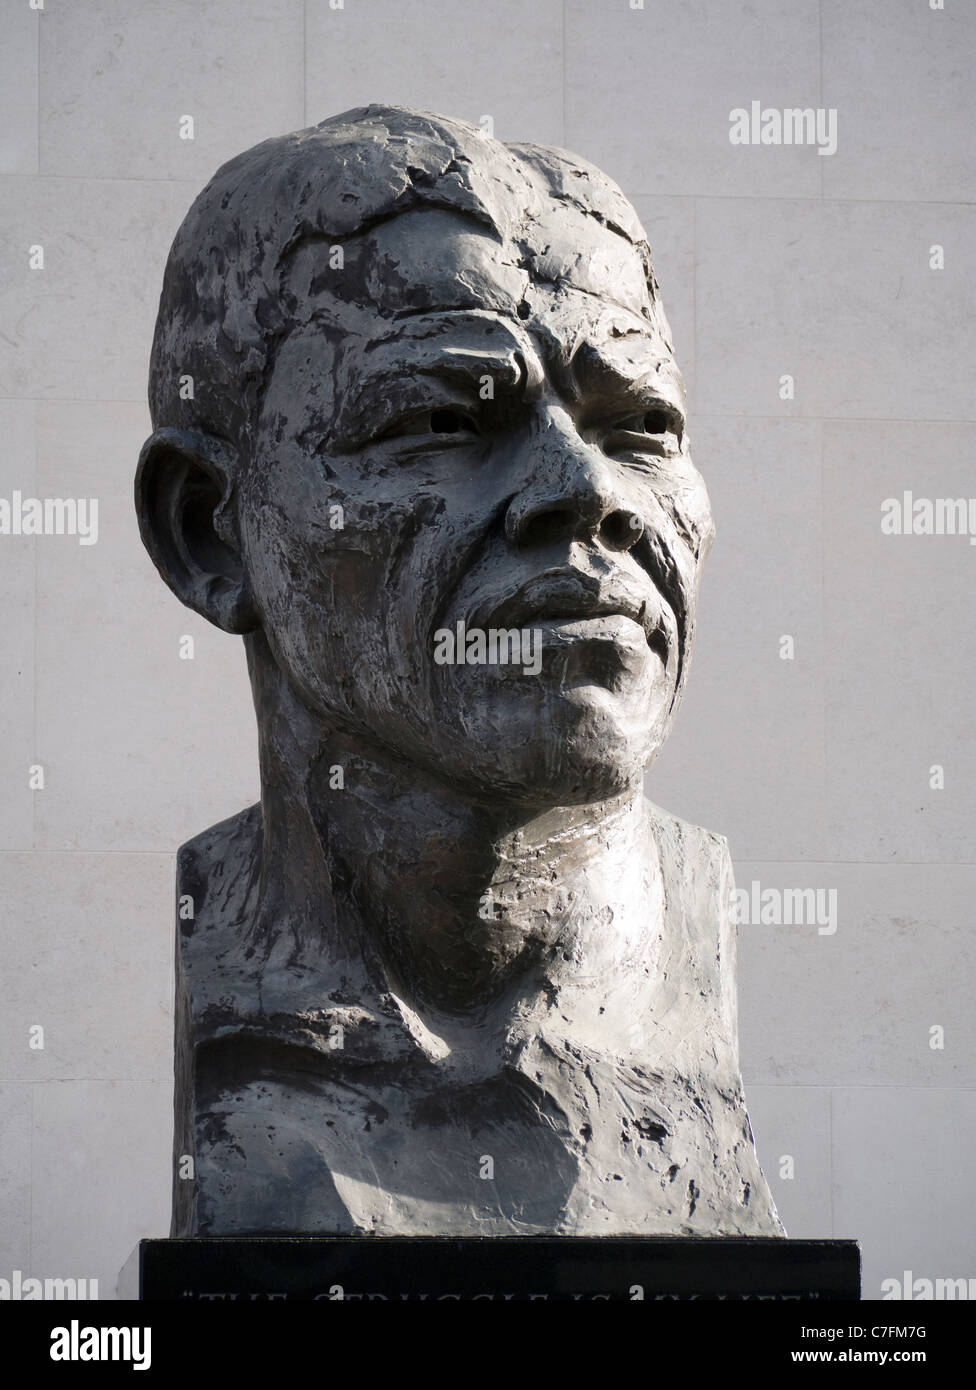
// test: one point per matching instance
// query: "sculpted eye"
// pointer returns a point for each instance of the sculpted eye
(451, 422)
(657, 422)
(444, 420)
(657, 431)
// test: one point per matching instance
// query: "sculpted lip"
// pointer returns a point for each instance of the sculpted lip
(570, 595)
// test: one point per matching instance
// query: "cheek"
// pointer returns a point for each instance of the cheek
(692, 509)
(352, 563)
(343, 598)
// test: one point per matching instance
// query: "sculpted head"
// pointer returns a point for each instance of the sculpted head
(404, 378)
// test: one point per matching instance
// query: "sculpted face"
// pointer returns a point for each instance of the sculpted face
(504, 436)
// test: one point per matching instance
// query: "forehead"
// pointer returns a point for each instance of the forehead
(568, 281)
(434, 259)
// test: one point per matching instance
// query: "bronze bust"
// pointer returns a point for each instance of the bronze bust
(454, 974)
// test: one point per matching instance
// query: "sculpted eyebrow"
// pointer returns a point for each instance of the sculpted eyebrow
(602, 379)
(456, 362)
(393, 382)
(649, 393)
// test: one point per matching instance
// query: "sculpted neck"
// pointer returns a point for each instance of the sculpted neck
(456, 905)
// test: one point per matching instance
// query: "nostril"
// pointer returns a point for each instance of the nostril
(554, 524)
(621, 530)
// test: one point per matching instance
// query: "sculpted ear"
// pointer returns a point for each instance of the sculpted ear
(184, 485)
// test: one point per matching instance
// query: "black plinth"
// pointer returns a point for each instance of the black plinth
(502, 1268)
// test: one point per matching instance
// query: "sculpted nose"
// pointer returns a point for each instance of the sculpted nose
(572, 492)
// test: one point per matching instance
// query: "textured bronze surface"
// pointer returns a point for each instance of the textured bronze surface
(454, 974)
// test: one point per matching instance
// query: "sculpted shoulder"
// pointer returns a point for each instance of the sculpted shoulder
(218, 870)
(688, 849)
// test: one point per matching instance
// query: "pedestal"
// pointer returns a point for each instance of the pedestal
(503, 1268)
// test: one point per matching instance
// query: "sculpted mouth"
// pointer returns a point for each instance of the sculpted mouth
(568, 596)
